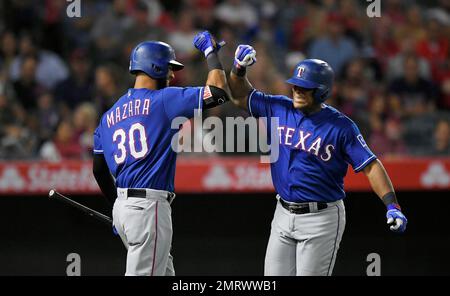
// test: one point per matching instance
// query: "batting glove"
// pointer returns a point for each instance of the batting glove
(396, 219)
(244, 56)
(206, 43)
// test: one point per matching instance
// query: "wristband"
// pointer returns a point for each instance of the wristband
(213, 62)
(390, 200)
(239, 70)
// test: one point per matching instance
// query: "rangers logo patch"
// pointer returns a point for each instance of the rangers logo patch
(300, 71)
(206, 93)
(361, 140)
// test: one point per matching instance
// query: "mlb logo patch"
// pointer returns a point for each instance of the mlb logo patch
(206, 93)
(300, 71)
(361, 140)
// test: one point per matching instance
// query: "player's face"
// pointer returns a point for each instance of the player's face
(302, 98)
(170, 76)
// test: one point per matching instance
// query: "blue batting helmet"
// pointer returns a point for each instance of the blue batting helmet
(154, 58)
(314, 74)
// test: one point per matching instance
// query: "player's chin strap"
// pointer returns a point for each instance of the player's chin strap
(214, 96)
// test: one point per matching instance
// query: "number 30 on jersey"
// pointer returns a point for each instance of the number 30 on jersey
(120, 137)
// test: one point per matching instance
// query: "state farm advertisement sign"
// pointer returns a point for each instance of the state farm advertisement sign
(207, 175)
(40, 177)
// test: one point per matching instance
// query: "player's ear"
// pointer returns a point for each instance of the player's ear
(170, 74)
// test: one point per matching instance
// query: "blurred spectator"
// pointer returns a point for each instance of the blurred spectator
(396, 64)
(386, 137)
(142, 28)
(444, 79)
(108, 32)
(356, 90)
(265, 75)
(334, 48)
(77, 30)
(181, 38)
(416, 94)
(79, 86)
(269, 33)
(16, 140)
(413, 25)
(8, 49)
(20, 15)
(418, 131)
(107, 89)
(384, 41)
(441, 143)
(204, 16)
(238, 14)
(64, 144)
(6, 113)
(395, 11)
(85, 121)
(440, 12)
(353, 20)
(156, 14)
(47, 116)
(6, 86)
(145, 26)
(302, 20)
(27, 89)
(231, 38)
(435, 45)
(53, 13)
(50, 68)
(292, 59)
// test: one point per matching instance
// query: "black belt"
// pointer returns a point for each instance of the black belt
(142, 193)
(303, 208)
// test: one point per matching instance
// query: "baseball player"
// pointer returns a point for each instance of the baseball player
(134, 163)
(316, 144)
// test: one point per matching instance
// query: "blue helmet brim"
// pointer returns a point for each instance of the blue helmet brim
(176, 66)
(302, 83)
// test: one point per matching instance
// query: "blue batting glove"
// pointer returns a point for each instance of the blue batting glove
(244, 56)
(206, 43)
(115, 230)
(396, 219)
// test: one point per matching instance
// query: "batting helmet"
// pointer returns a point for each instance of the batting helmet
(154, 58)
(314, 74)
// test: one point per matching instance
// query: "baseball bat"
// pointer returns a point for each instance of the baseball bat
(53, 194)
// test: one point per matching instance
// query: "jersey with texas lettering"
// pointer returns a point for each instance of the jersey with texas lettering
(314, 150)
(135, 135)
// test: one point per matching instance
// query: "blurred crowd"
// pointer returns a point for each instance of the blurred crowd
(59, 74)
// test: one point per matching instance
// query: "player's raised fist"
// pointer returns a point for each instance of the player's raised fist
(206, 43)
(396, 219)
(244, 56)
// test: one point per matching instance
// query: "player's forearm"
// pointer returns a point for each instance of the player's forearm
(216, 75)
(240, 88)
(107, 186)
(218, 79)
(104, 179)
(380, 182)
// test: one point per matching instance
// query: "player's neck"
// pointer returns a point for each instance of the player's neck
(143, 81)
(312, 110)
